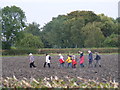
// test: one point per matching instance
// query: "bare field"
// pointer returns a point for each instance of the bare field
(19, 66)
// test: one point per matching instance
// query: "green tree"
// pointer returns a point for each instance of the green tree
(13, 22)
(30, 41)
(118, 25)
(108, 26)
(112, 40)
(93, 35)
(33, 29)
(53, 32)
(88, 16)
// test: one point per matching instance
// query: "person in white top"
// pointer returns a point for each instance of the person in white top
(48, 58)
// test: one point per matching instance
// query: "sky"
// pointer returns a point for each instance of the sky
(42, 11)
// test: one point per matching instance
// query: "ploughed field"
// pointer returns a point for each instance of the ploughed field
(18, 66)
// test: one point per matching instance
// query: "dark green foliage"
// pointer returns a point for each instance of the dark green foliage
(30, 41)
(112, 40)
(19, 51)
(33, 29)
(77, 29)
(13, 22)
(25, 51)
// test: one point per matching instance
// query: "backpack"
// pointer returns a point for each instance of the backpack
(49, 58)
(98, 57)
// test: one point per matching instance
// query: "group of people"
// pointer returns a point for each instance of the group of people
(71, 60)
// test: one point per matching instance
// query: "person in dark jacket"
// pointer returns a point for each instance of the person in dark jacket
(97, 59)
(90, 58)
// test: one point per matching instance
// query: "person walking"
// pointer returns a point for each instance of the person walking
(69, 61)
(81, 59)
(74, 62)
(90, 58)
(48, 58)
(31, 60)
(61, 60)
(97, 59)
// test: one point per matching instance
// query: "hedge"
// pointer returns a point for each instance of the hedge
(66, 50)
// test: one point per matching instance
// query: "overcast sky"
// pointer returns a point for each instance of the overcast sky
(42, 11)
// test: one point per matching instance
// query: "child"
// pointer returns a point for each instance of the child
(61, 60)
(48, 58)
(97, 58)
(31, 60)
(81, 59)
(69, 61)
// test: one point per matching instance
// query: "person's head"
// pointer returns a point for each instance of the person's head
(46, 54)
(59, 54)
(89, 51)
(81, 52)
(30, 54)
(96, 53)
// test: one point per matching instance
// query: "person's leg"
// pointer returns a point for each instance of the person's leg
(49, 65)
(62, 64)
(30, 65)
(71, 65)
(68, 65)
(33, 64)
(89, 63)
(44, 64)
(82, 65)
(74, 66)
(99, 63)
(96, 63)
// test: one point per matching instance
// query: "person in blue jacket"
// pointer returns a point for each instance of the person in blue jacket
(90, 58)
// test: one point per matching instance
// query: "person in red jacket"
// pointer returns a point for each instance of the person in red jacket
(74, 62)
(81, 59)
(61, 60)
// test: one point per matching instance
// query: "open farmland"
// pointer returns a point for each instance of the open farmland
(19, 67)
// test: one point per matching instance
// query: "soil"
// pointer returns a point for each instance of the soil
(19, 66)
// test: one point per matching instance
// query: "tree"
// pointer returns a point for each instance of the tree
(53, 32)
(13, 22)
(88, 16)
(75, 32)
(108, 26)
(30, 41)
(92, 35)
(33, 29)
(112, 40)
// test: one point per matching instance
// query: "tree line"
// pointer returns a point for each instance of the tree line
(77, 29)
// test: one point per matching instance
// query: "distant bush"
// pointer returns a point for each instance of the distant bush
(75, 50)
(18, 51)
(66, 50)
